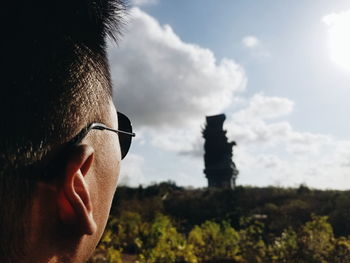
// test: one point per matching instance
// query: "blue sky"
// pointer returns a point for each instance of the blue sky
(278, 69)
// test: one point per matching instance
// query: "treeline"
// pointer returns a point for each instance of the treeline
(166, 223)
(160, 242)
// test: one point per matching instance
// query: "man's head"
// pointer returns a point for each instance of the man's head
(55, 199)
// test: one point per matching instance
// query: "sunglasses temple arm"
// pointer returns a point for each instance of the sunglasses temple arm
(132, 134)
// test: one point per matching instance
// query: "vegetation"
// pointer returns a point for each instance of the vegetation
(165, 223)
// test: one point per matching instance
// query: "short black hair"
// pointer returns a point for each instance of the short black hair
(54, 79)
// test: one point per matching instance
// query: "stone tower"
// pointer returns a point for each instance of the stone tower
(220, 170)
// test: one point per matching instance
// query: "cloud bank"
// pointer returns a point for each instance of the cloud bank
(163, 81)
(271, 150)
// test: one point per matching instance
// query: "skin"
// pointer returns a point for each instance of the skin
(69, 215)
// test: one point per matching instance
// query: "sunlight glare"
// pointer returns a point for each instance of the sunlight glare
(339, 37)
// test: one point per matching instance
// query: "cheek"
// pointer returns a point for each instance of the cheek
(110, 165)
(109, 176)
(113, 162)
(103, 204)
(106, 173)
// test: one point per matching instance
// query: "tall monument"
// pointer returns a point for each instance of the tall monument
(220, 170)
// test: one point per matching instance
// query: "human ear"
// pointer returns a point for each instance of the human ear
(74, 194)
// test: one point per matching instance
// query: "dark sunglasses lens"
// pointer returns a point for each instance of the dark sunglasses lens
(124, 124)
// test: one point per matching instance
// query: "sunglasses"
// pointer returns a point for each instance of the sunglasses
(124, 132)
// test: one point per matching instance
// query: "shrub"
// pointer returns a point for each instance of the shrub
(161, 243)
(252, 245)
(316, 240)
(213, 242)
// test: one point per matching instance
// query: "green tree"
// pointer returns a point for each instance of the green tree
(252, 246)
(284, 249)
(161, 243)
(341, 251)
(213, 242)
(316, 240)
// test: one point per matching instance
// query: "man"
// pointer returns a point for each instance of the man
(60, 144)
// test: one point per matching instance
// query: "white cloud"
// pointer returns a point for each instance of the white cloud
(249, 124)
(255, 47)
(263, 107)
(163, 81)
(168, 86)
(342, 156)
(143, 2)
(259, 123)
(271, 150)
(307, 143)
(250, 41)
(269, 161)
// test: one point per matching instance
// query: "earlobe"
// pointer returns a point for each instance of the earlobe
(74, 198)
